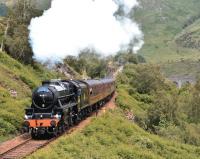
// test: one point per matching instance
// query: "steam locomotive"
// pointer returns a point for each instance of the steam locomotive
(59, 104)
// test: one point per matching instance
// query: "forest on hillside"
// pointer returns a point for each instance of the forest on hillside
(162, 109)
(154, 119)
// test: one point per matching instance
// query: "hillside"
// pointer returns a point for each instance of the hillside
(153, 118)
(164, 23)
(114, 137)
(124, 133)
(16, 84)
(187, 68)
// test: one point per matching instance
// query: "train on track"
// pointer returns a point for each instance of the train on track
(59, 104)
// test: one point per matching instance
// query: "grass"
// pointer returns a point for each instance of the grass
(128, 102)
(112, 136)
(162, 22)
(22, 79)
(181, 68)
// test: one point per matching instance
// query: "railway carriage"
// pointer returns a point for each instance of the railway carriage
(59, 104)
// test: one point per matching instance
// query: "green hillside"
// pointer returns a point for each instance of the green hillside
(162, 23)
(190, 36)
(164, 120)
(189, 68)
(114, 137)
(157, 127)
(16, 84)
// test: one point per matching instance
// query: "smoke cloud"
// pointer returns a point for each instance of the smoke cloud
(72, 25)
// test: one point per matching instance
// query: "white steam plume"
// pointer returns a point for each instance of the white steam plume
(72, 25)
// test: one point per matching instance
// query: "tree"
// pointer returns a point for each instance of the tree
(147, 79)
(129, 57)
(88, 61)
(17, 33)
(141, 59)
(163, 110)
(194, 104)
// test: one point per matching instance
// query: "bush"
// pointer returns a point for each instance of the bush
(6, 127)
(145, 98)
(172, 132)
(11, 118)
(192, 134)
(164, 107)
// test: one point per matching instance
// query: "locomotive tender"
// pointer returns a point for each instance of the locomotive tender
(58, 104)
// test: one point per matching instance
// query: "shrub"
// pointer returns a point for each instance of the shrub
(6, 127)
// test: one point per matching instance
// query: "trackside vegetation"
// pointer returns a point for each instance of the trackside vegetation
(160, 108)
(161, 126)
(112, 136)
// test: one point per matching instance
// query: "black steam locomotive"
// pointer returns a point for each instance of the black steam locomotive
(58, 104)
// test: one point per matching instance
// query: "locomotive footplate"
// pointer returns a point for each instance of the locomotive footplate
(35, 123)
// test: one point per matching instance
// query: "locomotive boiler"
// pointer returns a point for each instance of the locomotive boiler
(59, 104)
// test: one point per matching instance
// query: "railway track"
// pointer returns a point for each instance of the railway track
(24, 149)
(24, 145)
(21, 146)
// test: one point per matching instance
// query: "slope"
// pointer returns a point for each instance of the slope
(112, 136)
(162, 21)
(16, 84)
(116, 136)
